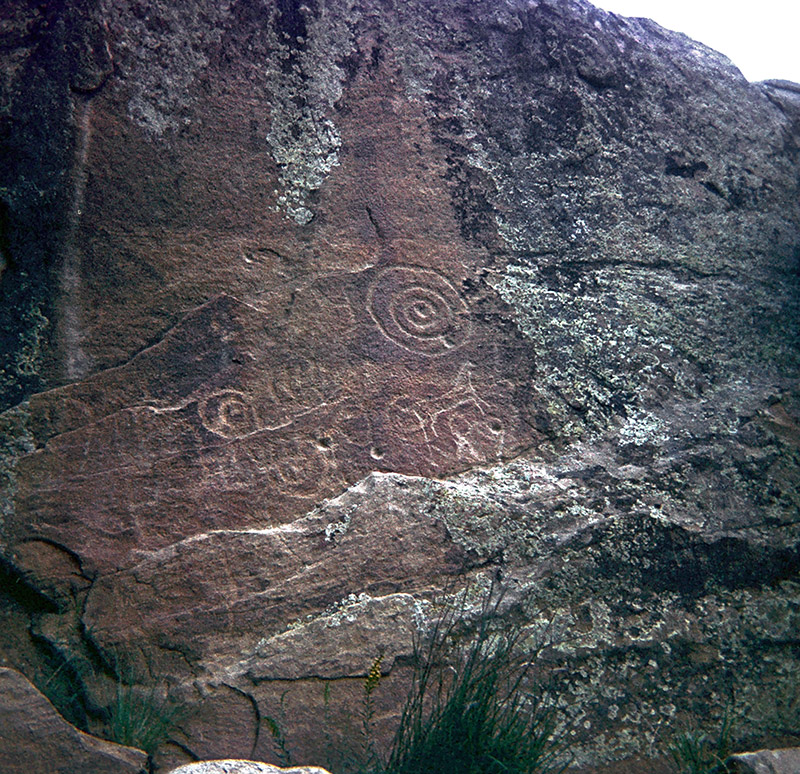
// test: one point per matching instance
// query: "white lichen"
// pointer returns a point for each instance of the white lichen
(642, 428)
(337, 528)
(159, 55)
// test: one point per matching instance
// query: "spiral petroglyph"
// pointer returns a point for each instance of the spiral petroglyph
(228, 413)
(419, 310)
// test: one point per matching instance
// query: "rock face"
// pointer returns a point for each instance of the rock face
(314, 310)
(35, 738)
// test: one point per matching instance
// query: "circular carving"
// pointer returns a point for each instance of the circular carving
(419, 310)
(299, 469)
(292, 388)
(296, 384)
(229, 414)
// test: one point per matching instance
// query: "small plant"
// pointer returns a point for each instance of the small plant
(695, 752)
(467, 711)
(140, 718)
(278, 737)
(371, 682)
(64, 688)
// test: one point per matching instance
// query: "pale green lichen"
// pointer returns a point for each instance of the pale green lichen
(303, 138)
(30, 353)
(627, 659)
(347, 610)
(16, 441)
(624, 678)
(337, 528)
(25, 364)
(160, 55)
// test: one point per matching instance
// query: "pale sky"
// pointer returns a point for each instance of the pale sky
(761, 37)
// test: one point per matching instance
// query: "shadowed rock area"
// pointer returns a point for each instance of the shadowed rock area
(315, 312)
(34, 737)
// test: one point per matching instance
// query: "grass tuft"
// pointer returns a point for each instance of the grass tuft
(695, 752)
(468, 711)
(140, 718)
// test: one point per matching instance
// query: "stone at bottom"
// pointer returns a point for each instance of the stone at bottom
(35, 738)
(230, 766)
(784, 761)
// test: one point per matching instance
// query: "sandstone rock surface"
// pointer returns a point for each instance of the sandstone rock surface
(315, 312)
(35, 739)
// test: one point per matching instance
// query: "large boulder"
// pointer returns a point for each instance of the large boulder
(316, 314)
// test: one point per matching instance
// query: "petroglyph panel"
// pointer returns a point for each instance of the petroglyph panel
(271, 412)
(420, 310)
(300, 468)
(270, 467)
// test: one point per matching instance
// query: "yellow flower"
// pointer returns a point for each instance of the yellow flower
(373, 676)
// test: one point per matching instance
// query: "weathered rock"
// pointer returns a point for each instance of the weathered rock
(243, 767)
(313, 310)
(264, 424)
(197, 604)
(767, 762)
(34, 738)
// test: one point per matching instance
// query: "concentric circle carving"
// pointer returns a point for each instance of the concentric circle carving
(228, 413)
(420, 310)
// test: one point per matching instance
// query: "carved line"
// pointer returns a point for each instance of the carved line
(460, 417)
(302, 467)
